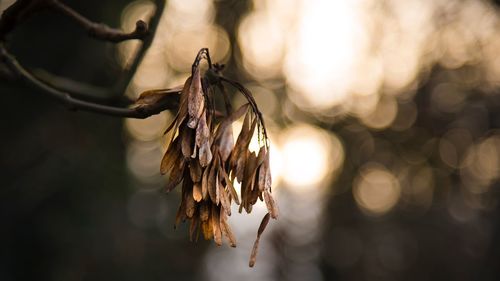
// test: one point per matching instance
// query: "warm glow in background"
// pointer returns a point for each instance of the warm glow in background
(355, 66)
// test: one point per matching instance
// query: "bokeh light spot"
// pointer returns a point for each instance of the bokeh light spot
(376, 190)
(309, 156)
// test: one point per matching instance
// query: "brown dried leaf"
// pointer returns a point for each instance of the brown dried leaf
(268, 180)
(239, 169)
(158, 96)
(226, 230)
(170, 157)
(261, 177)
(197, 196)
(261, 156)
(229, 185)
(272, 208)
(171, 126)
(206, 229)
(248, 136)
(215, 219)
(235, 115)
(250, 168)
(195, 171)
(186, 135)
(204, 211)
(202, 131)
(182, 112)
(196, 100)
(255, 190)
(262, 227)
(238, 147)
(192, 228)
(187, 194)
(205, 154)
(181, 214)
(217, 188)
(226, 143)
(176, 173)
(224, 198)
(204, 183)
(224, 134)
(212, 186)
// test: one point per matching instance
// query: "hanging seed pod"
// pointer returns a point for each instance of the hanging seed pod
(203, 155)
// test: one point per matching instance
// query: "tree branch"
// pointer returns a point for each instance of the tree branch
(16, 13)
(129, 72)
(76, 95)
(74, 88)
(139, 112)
(100, 30)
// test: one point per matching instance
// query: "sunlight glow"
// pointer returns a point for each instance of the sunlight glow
(322, 64)
(310, 156)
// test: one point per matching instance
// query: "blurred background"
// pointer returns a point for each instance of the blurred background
(383, 120)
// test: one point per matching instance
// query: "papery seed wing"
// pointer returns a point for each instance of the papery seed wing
(204, 211)
(268, 180)
(204, 183)
(249, 134)
(239, 147)
(224, 199)
(197, 195)
(181, 214)
(229, 185)
(226, 229)
(205, 154)
(195, 171)
(211, 183)
(225, 132)
(186, 135)
(196, 100)
(261, 156)
(188, 197)
(217, 188)
(202, 131)
(261, 181)
(206, 229)
(271, 204)
(226, 143)
(215, 219)
(262, 227)
(170, 157)
(239, 169)
(176, 173)
(182, 111)
(158, 96)
(193, 227)
(249, 174)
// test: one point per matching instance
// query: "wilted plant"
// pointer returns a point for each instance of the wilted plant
(203, 156)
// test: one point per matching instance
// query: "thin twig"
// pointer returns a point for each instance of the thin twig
(100, 30)
(139, 112)
(130, 71)
(74, 88)
(17, 12)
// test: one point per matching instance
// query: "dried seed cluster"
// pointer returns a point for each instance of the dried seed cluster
(203, 156)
